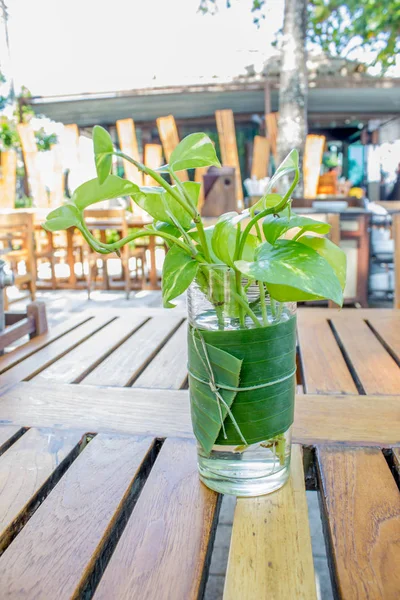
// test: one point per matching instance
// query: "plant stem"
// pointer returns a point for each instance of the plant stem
(238, 279)
(262, 302)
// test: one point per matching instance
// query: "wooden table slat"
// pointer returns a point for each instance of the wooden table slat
(25, 468)
(36, 343)
(168, 370)
(375, 368)
(323, 366)
(7, 433)
(75, 365)
(56, 550)
(361, 503)
(389, 331)
(122, 366)
(50, 353)
(270, 554)
(164, 547)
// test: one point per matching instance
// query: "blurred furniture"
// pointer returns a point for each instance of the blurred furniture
(169, 137)
(229, 150)
(328, 184)
(219, 191)
(396, 237)
(114, 219)
(129, 145)
(271, 122)
(313, 153)
(19, 226)
(260, 162)
(8, 178)
(153, 160)
(392, 206)
(32, 322)
(141, 471)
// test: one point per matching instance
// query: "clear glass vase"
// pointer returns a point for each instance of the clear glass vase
(242, 356)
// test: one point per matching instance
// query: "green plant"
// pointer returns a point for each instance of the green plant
(8, 134)
(304, 268)
(45, 141)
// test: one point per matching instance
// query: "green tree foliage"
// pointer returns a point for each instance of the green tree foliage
(339, 27)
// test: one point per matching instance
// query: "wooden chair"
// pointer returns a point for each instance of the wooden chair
(32, 322)
(396, 237)
(101, 220)
(20, 227)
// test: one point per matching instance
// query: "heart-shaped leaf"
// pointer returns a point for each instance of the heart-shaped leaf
(293, 272)
(62, 217)
(160, 205)
(103, 149)
(195, 150)
(179, 270)
(330, 252)
(289, 165)
(92, 191)
(223, 240)
(275, 227)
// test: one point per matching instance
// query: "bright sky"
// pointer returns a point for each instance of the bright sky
(73, 46)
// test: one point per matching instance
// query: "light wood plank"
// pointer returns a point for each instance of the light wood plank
(260, 162)
(313, 153)
(169, 137)
(129, 145)
(362, 506)
(168, 370)
(123, 365)
(8, 178)
(364, 420)
(30, 151)
(270, 554)
(75, 365)
(50, 353)
(7, 433)
(165, 545)
(396, 460)
(389, 331)
(228, 145)
(153, 160)
(56, 551)
(323, 366)
(36, 343)
(396, 237)
(271, 120)
(374, 366)
(24, 470)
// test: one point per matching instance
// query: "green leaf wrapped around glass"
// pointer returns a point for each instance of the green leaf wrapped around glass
(244, 274)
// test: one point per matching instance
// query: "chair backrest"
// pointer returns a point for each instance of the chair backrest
(110, 218)
(228, 146)
(396, 237)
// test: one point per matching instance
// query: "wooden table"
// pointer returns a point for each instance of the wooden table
(99, 492)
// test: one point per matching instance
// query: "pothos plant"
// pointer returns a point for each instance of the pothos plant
(251, 243)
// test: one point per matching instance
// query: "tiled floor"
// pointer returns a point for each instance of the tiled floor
(60, 304)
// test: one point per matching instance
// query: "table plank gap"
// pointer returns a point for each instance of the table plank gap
(29, 469)
(361, 515)
(34, 364)
(323, 368)
(9, 434)
(347, 360)
(121, 368)
(168, 369)
(77, 364)
(270, 554)
(390, 339)
(77, 521)
(376, 370)
(41, 341)
(155, 557)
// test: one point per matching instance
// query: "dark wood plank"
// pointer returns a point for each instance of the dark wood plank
(55, 552)
(24, 470)
(388, 329)
(163, 549)
(22, 352)
(396, 460)
(38, 361)
(123, 365)
(361, 503)
(375, 368)
(270, 554)
(7, 434)
(367, 420)
(323, 366)
(75, 365)
(168, 370)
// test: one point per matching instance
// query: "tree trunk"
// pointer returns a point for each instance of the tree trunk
(293, 89)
